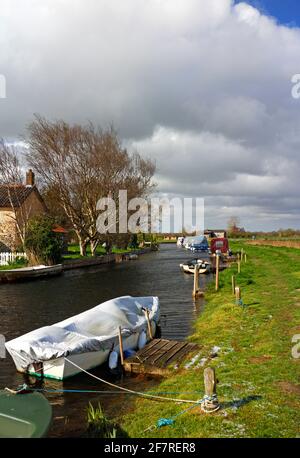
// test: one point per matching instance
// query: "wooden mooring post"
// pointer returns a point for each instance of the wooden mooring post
(196, 290)
(121, 346)
(217, 271)
(239, 263)
(238, 294)
(148, 324)
(210, 403)
(233, 283)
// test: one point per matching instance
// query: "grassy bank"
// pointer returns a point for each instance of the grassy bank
(258, 377)
(277, 243)
(14, 265)
(74, 251)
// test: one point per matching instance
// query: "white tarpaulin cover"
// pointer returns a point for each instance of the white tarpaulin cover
(93, 330)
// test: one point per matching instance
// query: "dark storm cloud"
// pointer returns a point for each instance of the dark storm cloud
(203, 86)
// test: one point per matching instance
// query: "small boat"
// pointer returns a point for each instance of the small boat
(29, 273)
(24, 415)
(86, 340)
(189, 267)
(133, 257)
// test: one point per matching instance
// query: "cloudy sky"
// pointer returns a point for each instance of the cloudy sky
(202, 86)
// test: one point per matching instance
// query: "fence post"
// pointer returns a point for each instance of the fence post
(238, 294)
(233, 283)
(239, 263)
(217, 272)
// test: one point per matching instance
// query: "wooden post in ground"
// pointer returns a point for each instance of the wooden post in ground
(233, 284)
(245, 257)
(210, 403)
(149, 324)
(239, 263)
(238, 294)
(121, 346)
(196, 290)
(196, 281)
(217, 271)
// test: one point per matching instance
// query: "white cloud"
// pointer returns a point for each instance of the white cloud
(202, 85)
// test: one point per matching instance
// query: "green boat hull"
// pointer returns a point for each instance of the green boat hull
(24, 415)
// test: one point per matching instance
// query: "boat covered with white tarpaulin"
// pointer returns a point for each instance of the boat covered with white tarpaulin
(85, 339)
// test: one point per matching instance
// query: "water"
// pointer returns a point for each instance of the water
(27, 306)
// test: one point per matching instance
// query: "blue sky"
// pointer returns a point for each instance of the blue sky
(285, 11)
(202, 87)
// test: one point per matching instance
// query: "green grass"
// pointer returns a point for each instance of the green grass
(74, 252)
(14, 265)
(99, 426)
(258, 377)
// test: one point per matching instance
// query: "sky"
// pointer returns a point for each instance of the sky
(286, 12)
(201, 86)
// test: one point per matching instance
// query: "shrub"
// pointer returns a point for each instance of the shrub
(20, 261)
(41, 243)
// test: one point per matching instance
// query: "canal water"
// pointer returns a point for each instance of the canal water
(27, 306)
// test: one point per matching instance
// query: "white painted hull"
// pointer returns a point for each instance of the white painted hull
(52, 362)
(61, 369)
(190, 269)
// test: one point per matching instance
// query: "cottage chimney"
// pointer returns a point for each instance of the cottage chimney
(30, 178)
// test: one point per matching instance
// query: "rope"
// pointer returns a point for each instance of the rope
(44, 390)
(241, 303)
(170, 421)
(137, 393)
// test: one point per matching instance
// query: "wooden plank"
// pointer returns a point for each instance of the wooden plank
(147, 351)
(161, 361)
(145, 355)
(144, 351)
(162, 351)
(167, 348)
(183, 353)
(139, 352)
(172, 352)
(175, 356)
(142, 369)
(157, 355)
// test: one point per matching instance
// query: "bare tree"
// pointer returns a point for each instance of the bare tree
(83, 164)
(11, 178)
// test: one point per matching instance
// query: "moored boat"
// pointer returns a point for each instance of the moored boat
(180, 241)
(189, 267)
(29, 273)
(24, 415)
(86, 340)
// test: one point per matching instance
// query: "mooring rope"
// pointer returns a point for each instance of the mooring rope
(137, 393)
(170, 421)
(47, 390)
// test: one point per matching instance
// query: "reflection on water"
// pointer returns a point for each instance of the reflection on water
(27, 306)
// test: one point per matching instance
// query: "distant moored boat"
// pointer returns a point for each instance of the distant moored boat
(29, 273)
